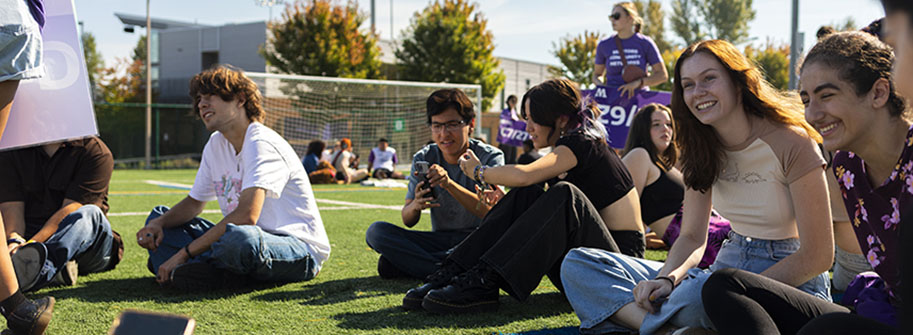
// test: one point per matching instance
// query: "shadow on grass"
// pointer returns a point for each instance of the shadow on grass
(138, 289)
(537, 306)
(342, 290)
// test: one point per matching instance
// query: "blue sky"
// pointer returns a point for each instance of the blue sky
(522, 29)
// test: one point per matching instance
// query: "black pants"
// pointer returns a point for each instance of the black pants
(741, 302)
(527, 234)
(846, 324)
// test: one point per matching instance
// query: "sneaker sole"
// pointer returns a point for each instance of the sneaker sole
(440, 307)
(27, 262)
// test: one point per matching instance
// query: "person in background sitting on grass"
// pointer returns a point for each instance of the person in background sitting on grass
(455, 207)
(343, 161)
(271, 230)
(56, 197)
(383, 161)
(312, 156)
(846, 85)
(20, 59)
(650, 156)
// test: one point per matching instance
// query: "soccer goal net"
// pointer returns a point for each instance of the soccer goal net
(306, 108)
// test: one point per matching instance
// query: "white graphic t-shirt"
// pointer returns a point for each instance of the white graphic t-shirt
(266, 161)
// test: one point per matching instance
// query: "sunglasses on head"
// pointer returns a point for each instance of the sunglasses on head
(614, 16)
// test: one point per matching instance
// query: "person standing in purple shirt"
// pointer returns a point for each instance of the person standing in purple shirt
(639, 50)
(512, 131)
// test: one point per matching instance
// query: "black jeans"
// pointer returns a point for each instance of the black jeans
(527, 234)
(846, 324)
(741, 302)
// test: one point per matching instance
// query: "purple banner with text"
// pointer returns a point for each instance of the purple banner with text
(618, 111)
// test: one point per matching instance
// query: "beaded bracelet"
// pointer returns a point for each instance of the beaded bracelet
(475, 172)
(482, 176)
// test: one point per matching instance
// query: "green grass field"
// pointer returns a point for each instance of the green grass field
(346, 298)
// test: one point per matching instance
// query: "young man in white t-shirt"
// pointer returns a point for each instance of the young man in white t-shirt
(383, 161)
(271, 230)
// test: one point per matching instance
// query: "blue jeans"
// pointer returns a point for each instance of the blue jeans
(86, 236)
(245, 250)
(417, 253)
(598, 283)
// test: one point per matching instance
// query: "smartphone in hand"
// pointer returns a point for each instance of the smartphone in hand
(421, 170)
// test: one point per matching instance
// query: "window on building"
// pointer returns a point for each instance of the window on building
(209, 59)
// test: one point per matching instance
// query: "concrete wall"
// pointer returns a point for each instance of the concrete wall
(181, 53)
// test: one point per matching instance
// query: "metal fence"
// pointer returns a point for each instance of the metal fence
(176, 132)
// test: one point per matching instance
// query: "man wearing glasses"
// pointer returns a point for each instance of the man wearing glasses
(456, 209)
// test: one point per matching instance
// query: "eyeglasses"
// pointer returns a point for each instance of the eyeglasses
(614, 16)
(451, 126)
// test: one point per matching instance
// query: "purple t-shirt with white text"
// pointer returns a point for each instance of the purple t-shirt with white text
(639, 51)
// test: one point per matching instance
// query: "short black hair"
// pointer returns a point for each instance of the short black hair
(441, 100)
(511, 97)
(383, 140)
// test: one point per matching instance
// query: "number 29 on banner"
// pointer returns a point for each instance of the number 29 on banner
(617, 115)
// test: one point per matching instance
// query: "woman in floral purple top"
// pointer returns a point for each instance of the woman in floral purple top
(850, 99)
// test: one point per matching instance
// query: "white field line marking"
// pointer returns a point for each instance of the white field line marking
(168, 185)
(344, 205)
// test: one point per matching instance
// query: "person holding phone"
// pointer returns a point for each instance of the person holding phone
(451, 195)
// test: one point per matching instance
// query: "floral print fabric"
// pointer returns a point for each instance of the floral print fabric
(875, 211)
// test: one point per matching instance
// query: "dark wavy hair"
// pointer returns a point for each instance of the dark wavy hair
(441, 100)
(228, 82)
(639, 136)
(859, 59)
(703, 156)
(316, 147)
(554, 98)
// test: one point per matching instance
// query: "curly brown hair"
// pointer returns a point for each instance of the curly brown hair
(703, 156)
(228, 83)
(859, 59)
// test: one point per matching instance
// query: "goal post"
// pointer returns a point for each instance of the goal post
(306, 108)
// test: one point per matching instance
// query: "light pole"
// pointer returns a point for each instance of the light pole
(794, 46)
(148, 87)
(270, 4)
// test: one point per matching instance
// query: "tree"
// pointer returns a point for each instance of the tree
(654, 25)
(123, 82)
(684, 23)
(576, 54)
(728, 19)
(848, 24)
(320, 37)
(693, 20)
(670, 56)
(94, 62)
(449, 42)
(773, 61)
